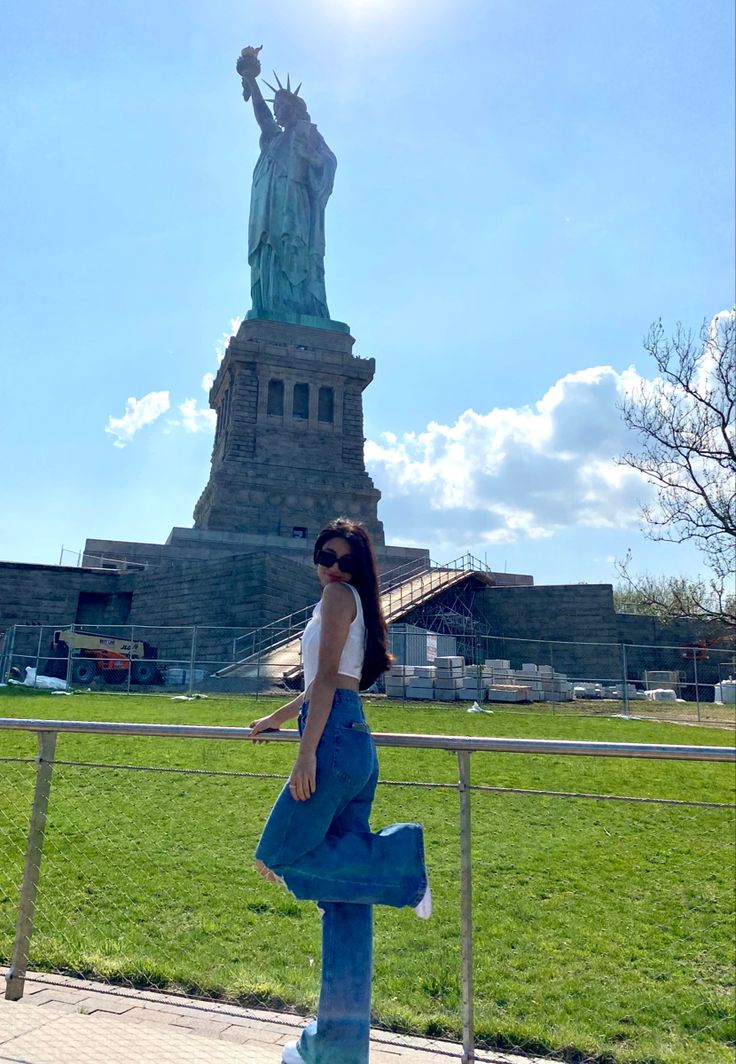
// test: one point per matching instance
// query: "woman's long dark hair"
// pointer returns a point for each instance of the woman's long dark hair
(365, 581)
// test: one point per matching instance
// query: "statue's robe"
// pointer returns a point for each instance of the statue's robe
(292, 182)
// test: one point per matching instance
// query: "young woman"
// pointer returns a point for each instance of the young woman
(317, 839)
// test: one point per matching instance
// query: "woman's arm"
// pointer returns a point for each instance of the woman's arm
(276, 719)
(338, 611)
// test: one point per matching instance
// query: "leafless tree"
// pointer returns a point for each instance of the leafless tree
(687, 450)
(670, 597)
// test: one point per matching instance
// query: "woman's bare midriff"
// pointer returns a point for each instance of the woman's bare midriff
(349, 683)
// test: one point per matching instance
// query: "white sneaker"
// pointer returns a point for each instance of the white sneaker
(290, 1054)
(424, 908)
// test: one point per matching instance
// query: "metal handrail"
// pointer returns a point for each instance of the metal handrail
(48, 730)
(468, 744)
(82, 554)
(437, 578)
(393, 577)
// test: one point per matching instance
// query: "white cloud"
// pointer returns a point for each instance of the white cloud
(221, 345)
(526, 472)
(720, 340)
(721, 325)
(196, 419)
(138, 413)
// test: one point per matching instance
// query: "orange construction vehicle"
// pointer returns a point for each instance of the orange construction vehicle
(94, 654)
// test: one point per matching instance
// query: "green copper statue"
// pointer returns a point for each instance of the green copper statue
(292, 182)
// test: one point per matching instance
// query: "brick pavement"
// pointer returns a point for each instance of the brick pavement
(75, 1021)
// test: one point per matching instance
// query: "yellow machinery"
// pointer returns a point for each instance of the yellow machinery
(96, 654)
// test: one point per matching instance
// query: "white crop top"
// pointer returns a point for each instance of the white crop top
(351, 660)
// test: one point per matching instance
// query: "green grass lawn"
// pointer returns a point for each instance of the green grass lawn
(603, 930)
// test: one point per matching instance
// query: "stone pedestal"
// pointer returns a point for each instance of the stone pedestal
(288, 450)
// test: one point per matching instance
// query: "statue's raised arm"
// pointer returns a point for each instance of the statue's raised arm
(292, 182)
(249, 68)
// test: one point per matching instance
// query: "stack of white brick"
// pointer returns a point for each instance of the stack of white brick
(410, 681)
(422, 683)
(530, 683)
(475, 684)
(398, 680)
(449, 678)
(501, 683)
(536, 679)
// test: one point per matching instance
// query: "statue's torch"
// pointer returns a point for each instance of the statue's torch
(248, 66)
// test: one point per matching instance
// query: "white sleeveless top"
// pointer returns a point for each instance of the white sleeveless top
(351, 661)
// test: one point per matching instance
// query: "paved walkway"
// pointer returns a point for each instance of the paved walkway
(74, 1021)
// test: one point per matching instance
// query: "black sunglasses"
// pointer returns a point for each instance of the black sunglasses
(346, 564)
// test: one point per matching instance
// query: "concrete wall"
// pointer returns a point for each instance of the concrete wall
(567, 615)
(560, 625)
(43, 597)
(229, 594)
(49, 594)
(564, 626)
(224, 598)
(193, 544)
(652, 644)
(111, 553)
(245, 591)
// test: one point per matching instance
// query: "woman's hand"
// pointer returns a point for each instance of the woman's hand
(263, 724)
(303, 778)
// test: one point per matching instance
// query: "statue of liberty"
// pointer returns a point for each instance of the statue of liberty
(292, 182)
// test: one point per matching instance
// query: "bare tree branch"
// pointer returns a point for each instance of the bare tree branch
(673, 597)
(687, 451)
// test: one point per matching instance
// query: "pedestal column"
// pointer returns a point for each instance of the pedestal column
(288, 450)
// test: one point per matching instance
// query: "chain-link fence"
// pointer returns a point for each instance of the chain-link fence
(583, 892)
(688, 682)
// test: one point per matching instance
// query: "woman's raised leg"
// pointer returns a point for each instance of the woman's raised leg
(334, 856)
(324, 849)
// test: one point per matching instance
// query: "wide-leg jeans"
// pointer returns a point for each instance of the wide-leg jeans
(325, 851)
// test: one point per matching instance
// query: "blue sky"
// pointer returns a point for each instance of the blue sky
(522, 188)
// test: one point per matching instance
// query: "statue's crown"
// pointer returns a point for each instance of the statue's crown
(281, 90)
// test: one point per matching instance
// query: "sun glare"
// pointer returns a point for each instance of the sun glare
(369, 8)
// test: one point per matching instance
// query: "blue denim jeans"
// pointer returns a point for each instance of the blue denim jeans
(325, 851)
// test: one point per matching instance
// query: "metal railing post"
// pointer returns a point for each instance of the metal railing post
(192, 658)
(4, 638)
(625, 679)
(69, 662)
(38, 654)
(466, 907)
(130, 656)
(406, 663)
(11, 651)
(27, 905)
(695, 672)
